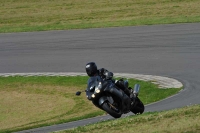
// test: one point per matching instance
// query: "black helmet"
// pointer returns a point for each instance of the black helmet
(91, 69)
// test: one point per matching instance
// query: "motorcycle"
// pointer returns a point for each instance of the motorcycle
(106, 95)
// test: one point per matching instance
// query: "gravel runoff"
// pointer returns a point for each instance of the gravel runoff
(162, 82)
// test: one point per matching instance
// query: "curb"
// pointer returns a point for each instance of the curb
(162, 82)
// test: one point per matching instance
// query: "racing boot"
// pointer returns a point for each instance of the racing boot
(132, 97)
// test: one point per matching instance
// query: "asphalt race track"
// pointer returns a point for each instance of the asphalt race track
(163, 50)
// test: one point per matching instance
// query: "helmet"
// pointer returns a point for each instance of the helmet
(91, 69)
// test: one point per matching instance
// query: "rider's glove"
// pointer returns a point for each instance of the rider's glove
(108, 75)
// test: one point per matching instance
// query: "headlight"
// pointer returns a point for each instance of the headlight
(93, 96)
(97, 91)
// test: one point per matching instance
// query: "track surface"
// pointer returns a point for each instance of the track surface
(163, 50)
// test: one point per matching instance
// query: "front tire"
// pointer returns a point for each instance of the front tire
(106, 107)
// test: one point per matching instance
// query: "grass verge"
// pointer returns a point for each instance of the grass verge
(36, 15)
(30, 102)
(182, 120)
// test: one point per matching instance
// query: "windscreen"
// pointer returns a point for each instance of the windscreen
(92, 82)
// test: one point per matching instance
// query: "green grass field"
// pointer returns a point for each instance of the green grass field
(37, 15)
(29, 102)
(183, 120)
(40, 101)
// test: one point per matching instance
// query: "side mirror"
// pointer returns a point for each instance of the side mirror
(78, 93)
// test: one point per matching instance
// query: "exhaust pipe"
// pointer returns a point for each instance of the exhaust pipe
(136, 89)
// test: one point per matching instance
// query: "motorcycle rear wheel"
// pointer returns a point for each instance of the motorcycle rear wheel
(106, 107)
(138, 107)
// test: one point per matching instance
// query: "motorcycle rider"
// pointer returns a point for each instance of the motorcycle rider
(91, 70)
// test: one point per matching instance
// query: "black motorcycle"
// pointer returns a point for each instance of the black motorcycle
(106, 95)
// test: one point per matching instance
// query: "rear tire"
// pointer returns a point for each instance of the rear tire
(138, 107)
(106, 107)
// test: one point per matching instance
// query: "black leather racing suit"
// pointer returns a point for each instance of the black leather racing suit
(121, 84)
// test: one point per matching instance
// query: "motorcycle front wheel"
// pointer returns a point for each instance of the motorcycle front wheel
(109, 109)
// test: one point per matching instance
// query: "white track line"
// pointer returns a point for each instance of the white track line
(162, 82)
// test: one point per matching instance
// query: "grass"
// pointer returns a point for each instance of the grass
(36, 15)
(30, 102)
(182, 120)
(40, 101)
